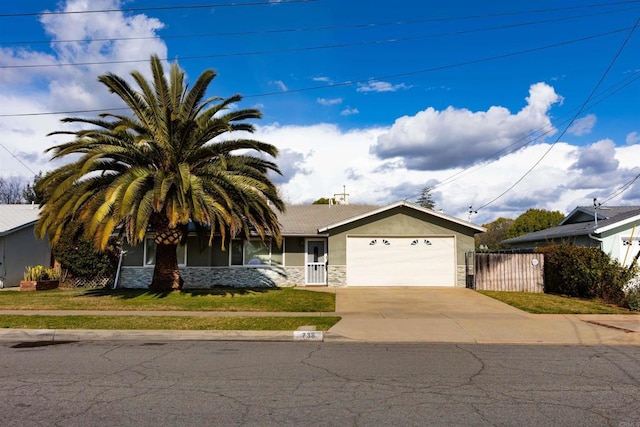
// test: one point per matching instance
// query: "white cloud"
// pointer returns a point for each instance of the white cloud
(329, 158)
(279, 84)
(436, 140)
(69, 87)
(597, 158)
(349, 111)
(377, 86)
(633, 138)
(583, 126)
(322, 79)
(329, 101)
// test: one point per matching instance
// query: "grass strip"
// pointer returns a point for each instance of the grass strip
(537, 303)
(182, 323)
(216, 299)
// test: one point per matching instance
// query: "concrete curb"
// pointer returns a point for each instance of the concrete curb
(59, 335)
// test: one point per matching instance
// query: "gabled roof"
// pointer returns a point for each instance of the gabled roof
(16, 217)
(581, 222)
(313, 219)
(380, 209)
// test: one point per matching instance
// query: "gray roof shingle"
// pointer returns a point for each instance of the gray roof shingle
(607, 216)
(307, 219)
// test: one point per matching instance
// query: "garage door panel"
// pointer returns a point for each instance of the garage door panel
(401, 261)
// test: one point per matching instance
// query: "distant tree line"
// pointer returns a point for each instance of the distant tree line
(15, 190)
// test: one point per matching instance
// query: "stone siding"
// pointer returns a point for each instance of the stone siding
(461, 276)
(208, 277)
(244, 277)
(337, 275)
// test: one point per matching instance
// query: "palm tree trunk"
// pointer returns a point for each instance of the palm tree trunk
(166, 275)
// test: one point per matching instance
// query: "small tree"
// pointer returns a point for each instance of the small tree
(496, 233)
(426, 199)
(31, 193)
(534, 220)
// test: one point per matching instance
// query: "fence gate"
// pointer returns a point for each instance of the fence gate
(515, 272)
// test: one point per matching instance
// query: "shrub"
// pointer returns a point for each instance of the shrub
(38, 273)
(632, 294)
(80, 258)
(584, 272)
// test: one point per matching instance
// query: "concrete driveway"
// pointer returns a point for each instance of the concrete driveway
(410, 314)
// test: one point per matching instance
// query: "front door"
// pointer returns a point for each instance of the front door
(316, 262)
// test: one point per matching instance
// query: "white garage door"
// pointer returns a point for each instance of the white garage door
(401, 261)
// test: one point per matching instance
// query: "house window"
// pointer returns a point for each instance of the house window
(254, 252)
(150, 253)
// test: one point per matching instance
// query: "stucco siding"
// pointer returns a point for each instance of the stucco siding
(295, 252)
(612, 243)
(398, 222)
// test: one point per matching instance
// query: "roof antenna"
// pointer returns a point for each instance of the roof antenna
(596, 205)
(471, 212)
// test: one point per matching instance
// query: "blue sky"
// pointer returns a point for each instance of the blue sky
(383, 98)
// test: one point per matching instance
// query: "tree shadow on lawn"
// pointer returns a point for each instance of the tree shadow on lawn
(215, 291)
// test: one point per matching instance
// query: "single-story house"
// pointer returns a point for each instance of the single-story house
(615, 230)
(401, 244)
(19, 247)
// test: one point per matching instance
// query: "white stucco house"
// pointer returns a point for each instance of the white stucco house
(615, 230)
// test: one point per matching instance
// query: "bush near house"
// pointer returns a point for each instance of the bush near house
(585, 272)
(79, 258)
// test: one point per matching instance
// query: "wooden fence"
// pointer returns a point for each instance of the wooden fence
(515, 272)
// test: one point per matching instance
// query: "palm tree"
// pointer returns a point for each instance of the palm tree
(166, 164)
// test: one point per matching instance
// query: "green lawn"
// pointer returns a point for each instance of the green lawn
(218, 299)
(553, 304)
(166, 322)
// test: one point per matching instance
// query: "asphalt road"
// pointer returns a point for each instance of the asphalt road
(319, 384)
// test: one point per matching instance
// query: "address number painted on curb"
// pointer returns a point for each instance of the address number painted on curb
(308, 336)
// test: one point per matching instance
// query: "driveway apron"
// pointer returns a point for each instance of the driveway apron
(457, 315)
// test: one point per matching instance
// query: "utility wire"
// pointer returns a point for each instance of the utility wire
(580, 110)
(260, 3)
(289, 50)
(622, 189)
(319, 28)
(17, 158)
(362, 81)
(528, 139)
(140, 9)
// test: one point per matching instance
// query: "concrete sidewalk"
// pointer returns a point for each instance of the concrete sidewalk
(436, 315)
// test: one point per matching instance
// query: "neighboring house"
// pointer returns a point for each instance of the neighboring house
(19, 247)
(615, 230)
(401, 244)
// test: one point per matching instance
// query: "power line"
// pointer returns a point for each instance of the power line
(325, 28)
(580, 110)
(140, 9)
(622, 189)
(528, 139)
(362, 81)
(288, 50)
(17, 158)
